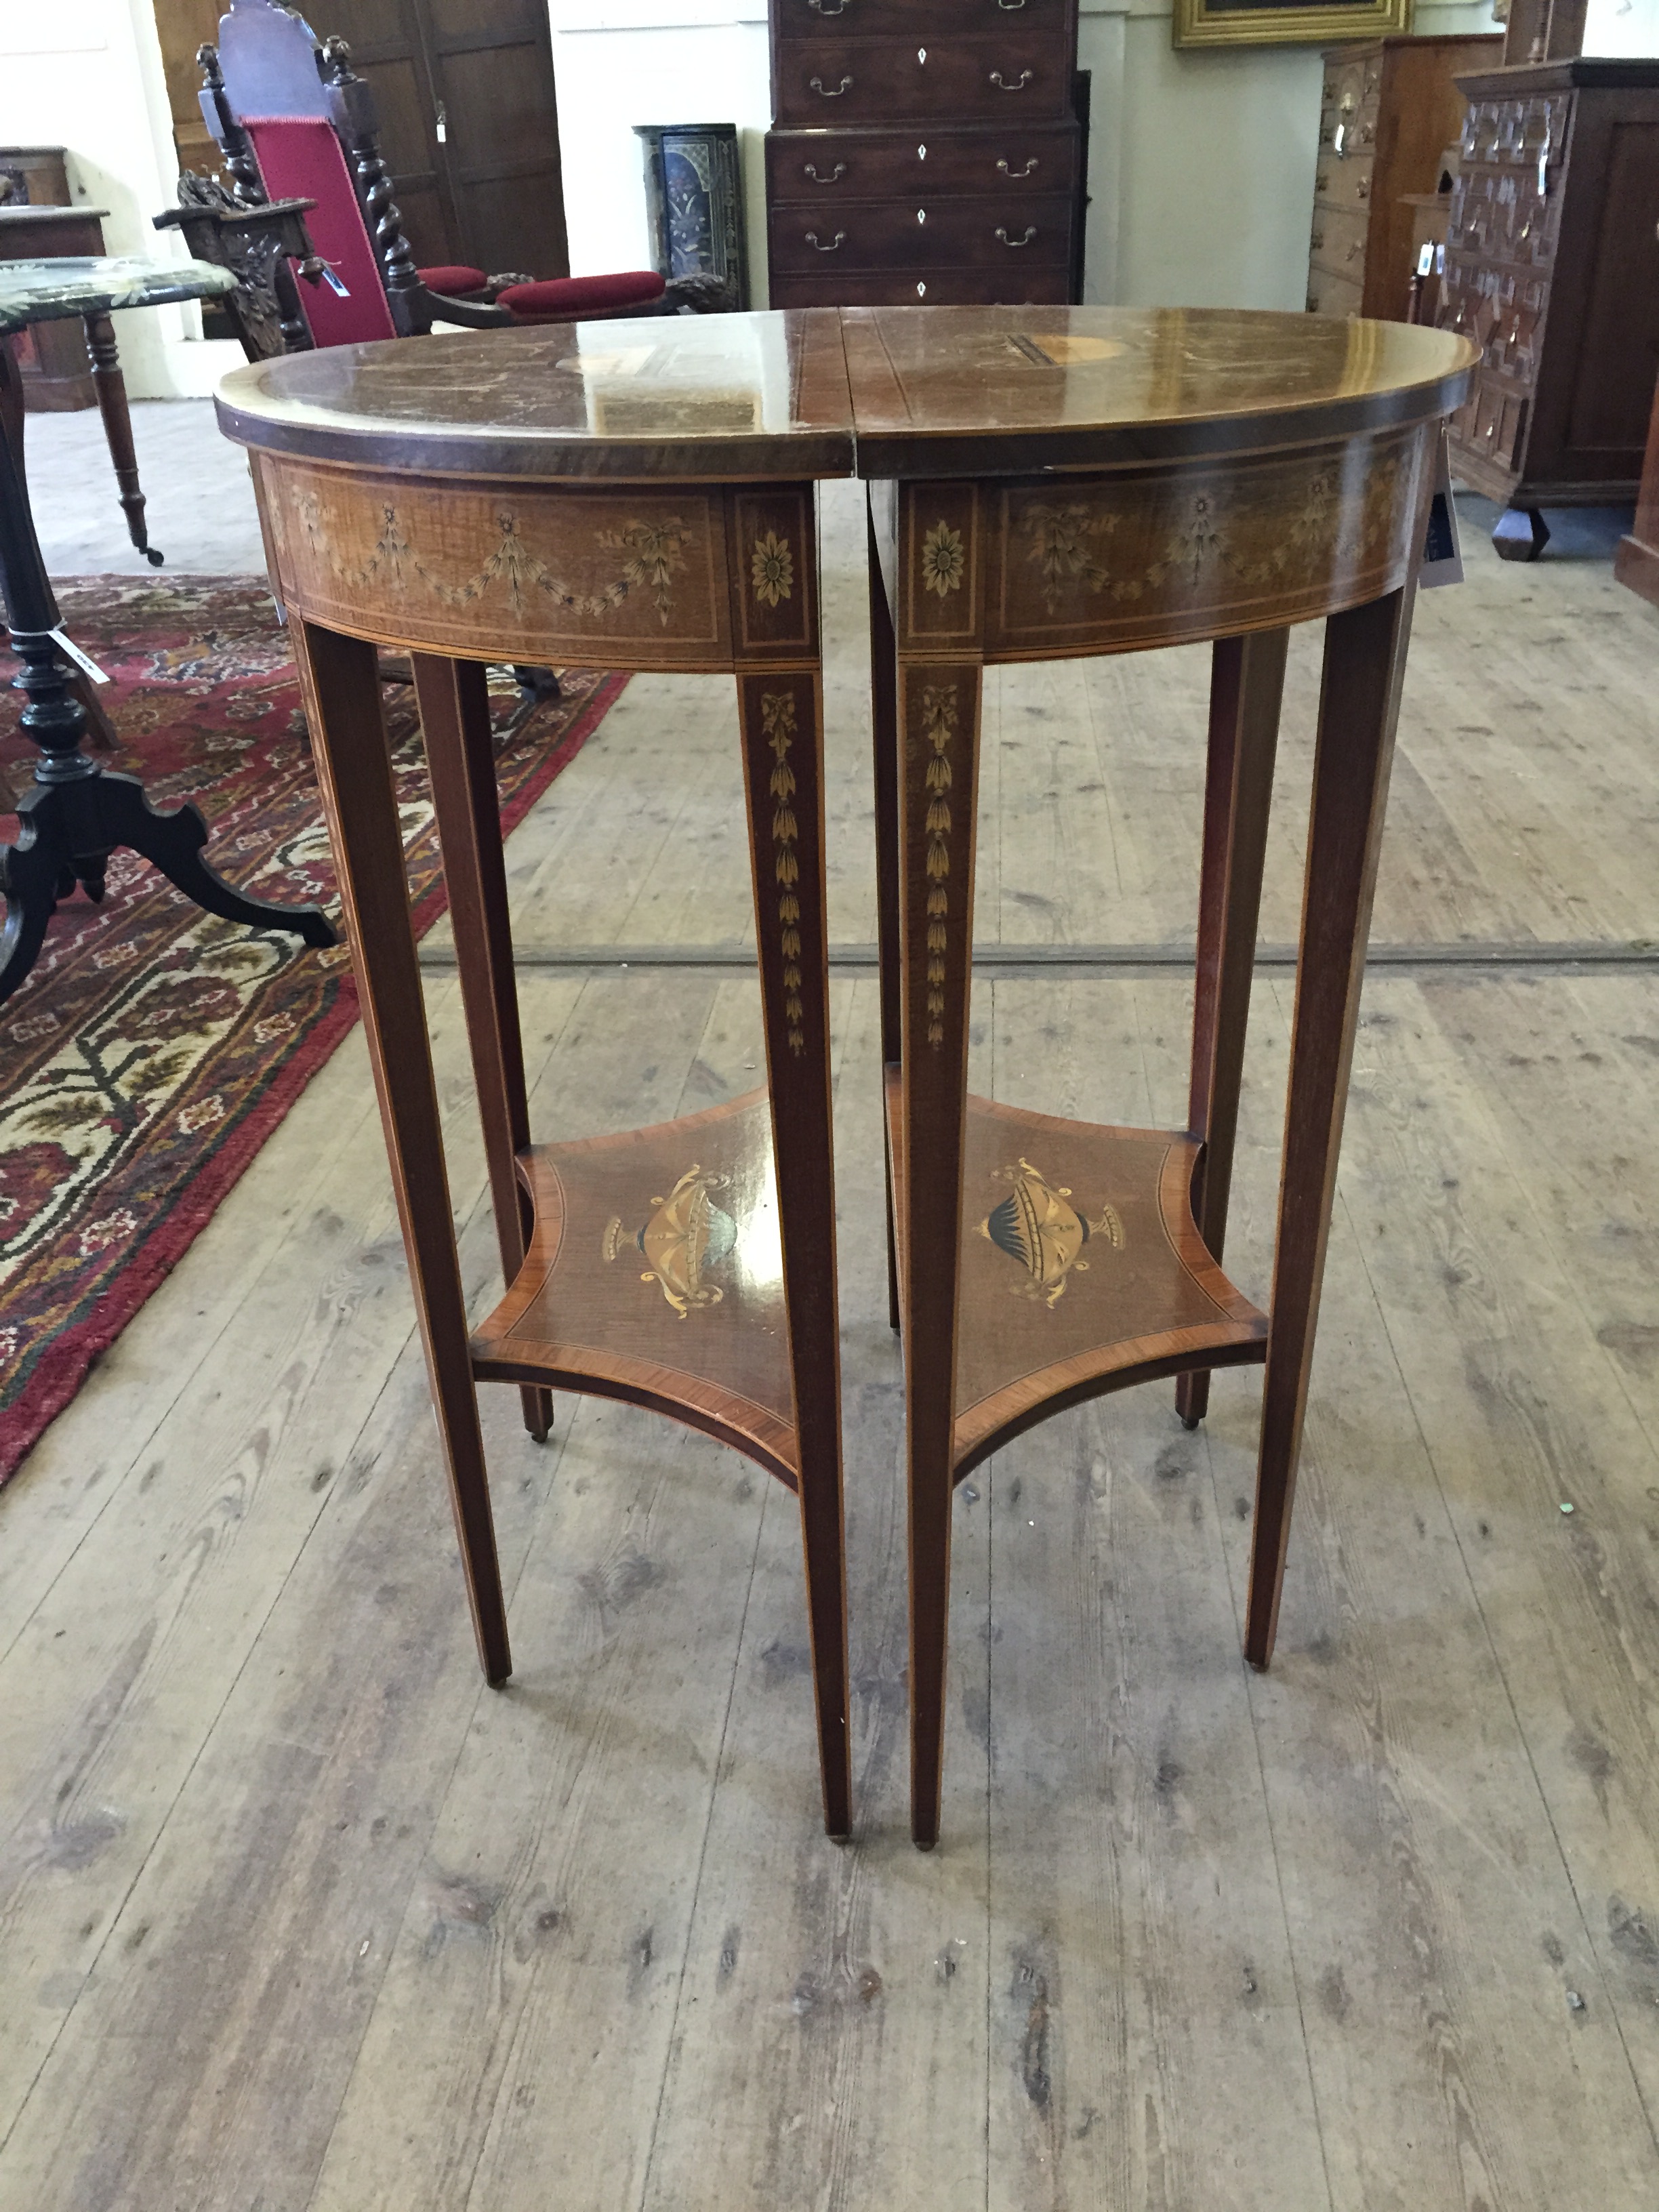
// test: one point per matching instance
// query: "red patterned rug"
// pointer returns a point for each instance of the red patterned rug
(155, 1049)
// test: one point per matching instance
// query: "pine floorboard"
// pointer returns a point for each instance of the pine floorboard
(295, 1914)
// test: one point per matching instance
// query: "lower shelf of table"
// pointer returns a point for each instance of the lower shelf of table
(1082, 1268)
(655, 1275)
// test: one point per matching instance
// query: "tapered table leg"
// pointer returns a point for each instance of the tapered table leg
(1247, 685)
(454, 696)
(938, 711)
(1359, 702)
(781, 712)
(110, 388)
(883, 701)
(340, 686)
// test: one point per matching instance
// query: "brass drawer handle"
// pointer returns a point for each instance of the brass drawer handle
(1002, 84)
(813, 240)
(1006, 240)
(1026, 171)
(823, 8)
(1010, 5)
(834, 177)
(846, 85)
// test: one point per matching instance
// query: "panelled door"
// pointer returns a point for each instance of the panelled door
(470, 125)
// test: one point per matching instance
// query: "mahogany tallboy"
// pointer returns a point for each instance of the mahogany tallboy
(1049, 482)
(923, 151)
(633, 495)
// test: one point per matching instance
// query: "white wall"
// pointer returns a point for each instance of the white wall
(86, 75)
(1200, 164)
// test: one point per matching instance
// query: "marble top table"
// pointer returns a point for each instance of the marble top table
(47, 291)
(94, 287)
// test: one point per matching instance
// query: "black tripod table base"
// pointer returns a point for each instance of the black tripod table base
(69, 830)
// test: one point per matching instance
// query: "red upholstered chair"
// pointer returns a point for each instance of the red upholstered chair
(295, 122)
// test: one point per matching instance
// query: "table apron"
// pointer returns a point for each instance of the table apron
(1035, 569)
(636, 576)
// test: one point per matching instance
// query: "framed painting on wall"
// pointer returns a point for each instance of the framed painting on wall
(1287, 23)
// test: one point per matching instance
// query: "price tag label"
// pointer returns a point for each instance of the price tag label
(1443, 557)
(71, 651)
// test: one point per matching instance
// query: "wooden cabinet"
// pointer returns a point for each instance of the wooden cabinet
(1390, 109)
(1552, 268)
(923, 150)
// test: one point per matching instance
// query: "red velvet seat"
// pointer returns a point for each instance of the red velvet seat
(456, 280)
(561, 298)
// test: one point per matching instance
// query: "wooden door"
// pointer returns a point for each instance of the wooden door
(387, 49)
(490, 192)
(182, 25)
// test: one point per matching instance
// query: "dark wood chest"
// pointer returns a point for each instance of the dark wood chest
(923, 151)
(1552, 267)
(1390, 109)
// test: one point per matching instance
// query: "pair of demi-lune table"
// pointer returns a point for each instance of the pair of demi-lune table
(1045, 483)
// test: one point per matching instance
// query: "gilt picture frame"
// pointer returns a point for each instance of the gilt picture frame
(1200, 23)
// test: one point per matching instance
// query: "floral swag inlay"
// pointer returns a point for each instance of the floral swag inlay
(655, 553)
(1063, 539)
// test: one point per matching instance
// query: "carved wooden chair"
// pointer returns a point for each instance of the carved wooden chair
(296, 122)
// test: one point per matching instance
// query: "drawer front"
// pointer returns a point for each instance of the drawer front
(816, 166)
(1343, 182)
(833, 82)
(1337, 242)
(900, 235)
(1491, 423)
(1348, 113)
(942, 288)
(1333, 296)
(845, 19)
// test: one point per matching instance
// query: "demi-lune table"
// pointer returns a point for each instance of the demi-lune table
(625, 495)
(1048, 482)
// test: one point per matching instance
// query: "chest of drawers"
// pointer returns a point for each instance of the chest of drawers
(925, 151)
(1390, 109)
(1552, 268)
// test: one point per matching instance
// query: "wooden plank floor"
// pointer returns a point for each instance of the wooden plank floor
(294, 1913)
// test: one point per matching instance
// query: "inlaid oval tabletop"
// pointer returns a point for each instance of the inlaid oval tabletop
(729, 397)
(986, 390)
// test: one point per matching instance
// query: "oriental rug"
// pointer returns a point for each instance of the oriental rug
(153, 1049)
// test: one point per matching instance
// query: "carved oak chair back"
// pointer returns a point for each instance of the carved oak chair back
(294, 119)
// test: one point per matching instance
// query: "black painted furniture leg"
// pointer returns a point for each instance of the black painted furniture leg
(110, 386)
(74, 814)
